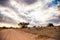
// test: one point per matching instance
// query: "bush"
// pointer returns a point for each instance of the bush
(4, 27)
(11, 27)
(50, 25)
(34, 26)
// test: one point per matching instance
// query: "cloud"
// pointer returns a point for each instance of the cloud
(6, 19)
(8, 12)
(1, 17)
(28, 1)
(35, 14)
(4, 2)
(55, 20)
(59, 6)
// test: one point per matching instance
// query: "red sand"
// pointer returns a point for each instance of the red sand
(11, 34)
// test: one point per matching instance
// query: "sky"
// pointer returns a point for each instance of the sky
(36, 12)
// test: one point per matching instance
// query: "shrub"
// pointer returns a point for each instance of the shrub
(34, 26)
(11, 27)
(50, 24)
(4, 27)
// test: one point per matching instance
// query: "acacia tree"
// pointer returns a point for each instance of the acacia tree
(24, 25)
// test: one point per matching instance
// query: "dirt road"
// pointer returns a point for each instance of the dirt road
(12, 34)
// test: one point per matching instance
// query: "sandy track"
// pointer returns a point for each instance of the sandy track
(12, 34)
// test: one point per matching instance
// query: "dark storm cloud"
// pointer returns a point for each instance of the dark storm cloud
(4, 2)
(6, 19)
(59, 7)
(56, 20)
(29, 1)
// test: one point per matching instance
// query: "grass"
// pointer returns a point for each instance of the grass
(44, 32)
(43, 36)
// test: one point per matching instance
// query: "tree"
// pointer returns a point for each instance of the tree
(24, 25)
(50, 24)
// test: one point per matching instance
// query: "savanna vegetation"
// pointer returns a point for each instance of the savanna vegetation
(49, 31)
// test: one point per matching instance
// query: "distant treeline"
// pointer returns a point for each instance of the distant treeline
(25, 25)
